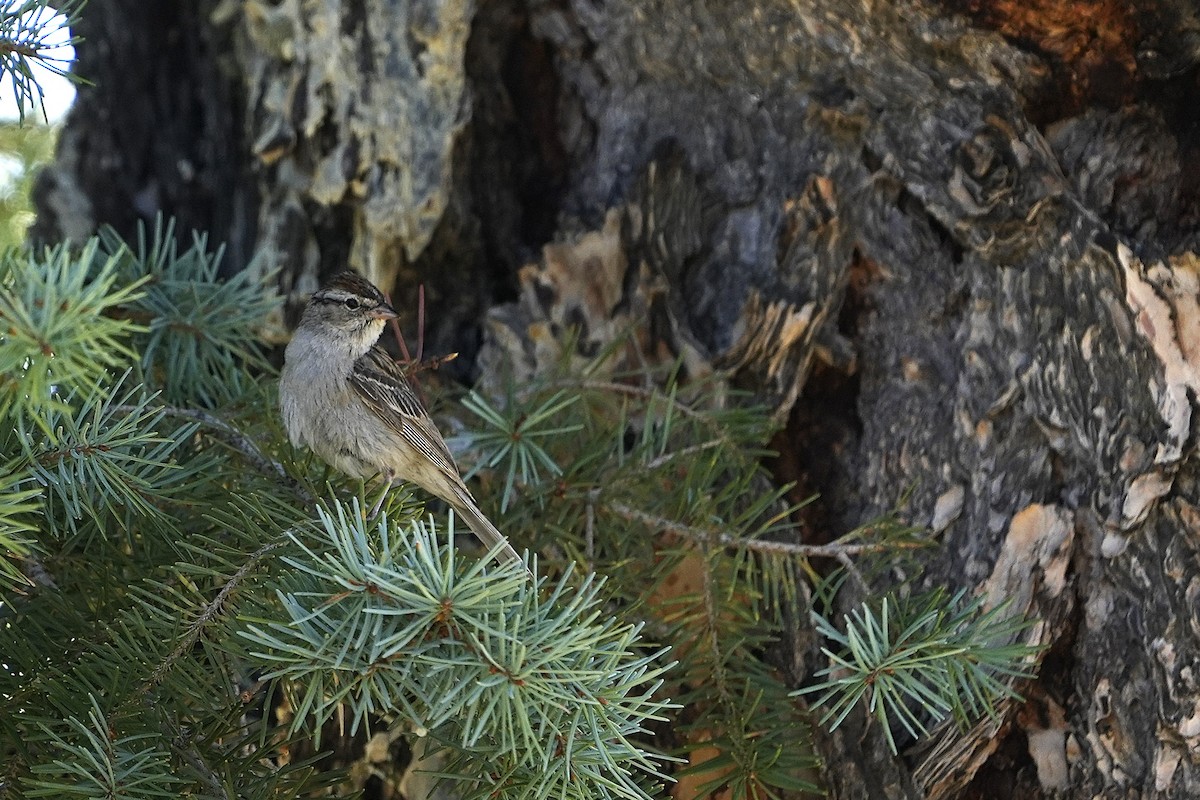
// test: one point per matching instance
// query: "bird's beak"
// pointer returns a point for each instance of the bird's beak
(383, 311)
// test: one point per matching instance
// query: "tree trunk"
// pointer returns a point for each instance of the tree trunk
(951, 244)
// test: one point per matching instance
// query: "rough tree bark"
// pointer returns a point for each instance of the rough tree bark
(952, 244)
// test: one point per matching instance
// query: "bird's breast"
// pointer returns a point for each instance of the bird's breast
(322, 411)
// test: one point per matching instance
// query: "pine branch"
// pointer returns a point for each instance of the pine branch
(99, 462)
(240, 442)
(59, 332)
(385, 620)
(203, 333)
(916, 662)
(208, 615)
(519, 435)
(692, 450)
(97, 762)
(712, 633)
(708, 418)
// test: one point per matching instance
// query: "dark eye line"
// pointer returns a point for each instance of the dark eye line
(349, 302)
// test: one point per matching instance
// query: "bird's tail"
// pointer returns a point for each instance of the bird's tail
(483, 527)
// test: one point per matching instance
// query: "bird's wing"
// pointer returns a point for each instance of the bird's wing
(382, 386)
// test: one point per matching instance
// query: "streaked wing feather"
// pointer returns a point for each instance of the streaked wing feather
(382, 386)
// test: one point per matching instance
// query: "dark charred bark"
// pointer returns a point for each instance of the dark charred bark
(972, 224)
(159, 131)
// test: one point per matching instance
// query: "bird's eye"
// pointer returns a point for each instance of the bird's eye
(352, 303)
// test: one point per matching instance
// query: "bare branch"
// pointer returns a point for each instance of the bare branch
(725, 539)
(667, 458)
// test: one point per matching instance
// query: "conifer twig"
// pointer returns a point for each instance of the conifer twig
(667, 458)
(238, 441)
(832, 550)
(589, 531)
(209, 613)
(712, 632)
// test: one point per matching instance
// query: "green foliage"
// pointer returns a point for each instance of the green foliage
(104, 458)
(19, 506)
(190, 607)
(916, 662)
(201, 340)
(663, 486)
(113, 507)
(516, 436)
(23, 150)
(168, 553)
(60, 330)
(94, 764)
(653, 486)
(30, 32)
(374, 619)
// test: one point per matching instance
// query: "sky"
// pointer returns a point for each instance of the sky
(58, 98)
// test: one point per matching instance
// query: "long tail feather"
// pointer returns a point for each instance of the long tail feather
(483, 528)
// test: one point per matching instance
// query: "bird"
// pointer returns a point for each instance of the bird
(343, 397)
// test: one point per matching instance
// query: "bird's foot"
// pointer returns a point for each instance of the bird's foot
(383, 492)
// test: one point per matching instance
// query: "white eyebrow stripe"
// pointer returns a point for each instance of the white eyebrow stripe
(340, 296)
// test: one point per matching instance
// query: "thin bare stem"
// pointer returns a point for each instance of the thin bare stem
(420, 321)
(667, 458)
(725, 539)
(589, 531)
(395, 323)
(649, 393)
(860, 582)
